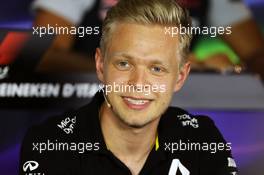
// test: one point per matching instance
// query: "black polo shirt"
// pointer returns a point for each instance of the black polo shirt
(73, 144)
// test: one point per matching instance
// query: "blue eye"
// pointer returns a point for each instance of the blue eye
(123, 65)
(156, 69)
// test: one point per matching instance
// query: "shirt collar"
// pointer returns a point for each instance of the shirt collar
(90, 129)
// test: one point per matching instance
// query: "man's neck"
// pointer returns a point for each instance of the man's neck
(131, 145)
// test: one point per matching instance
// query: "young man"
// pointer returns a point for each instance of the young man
(129, 128)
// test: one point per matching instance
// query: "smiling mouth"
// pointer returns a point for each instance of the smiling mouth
(136, 103)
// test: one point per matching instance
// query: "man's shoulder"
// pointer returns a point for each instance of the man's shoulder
(187, 119)
(57, 140)
(65, 125)
(186, 136)
(202, 127)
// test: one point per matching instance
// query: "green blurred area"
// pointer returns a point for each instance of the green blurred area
(207, 46)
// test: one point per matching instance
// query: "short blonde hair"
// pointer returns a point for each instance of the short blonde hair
(148, 12)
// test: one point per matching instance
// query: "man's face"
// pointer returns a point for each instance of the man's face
(141, 56)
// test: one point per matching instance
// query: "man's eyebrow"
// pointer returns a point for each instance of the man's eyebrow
(154, 61)
(124, 55)
(158, 62)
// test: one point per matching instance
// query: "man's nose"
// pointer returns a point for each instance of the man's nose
(138, 77)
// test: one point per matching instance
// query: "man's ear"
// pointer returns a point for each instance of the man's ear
(99, 63)
(182, 76)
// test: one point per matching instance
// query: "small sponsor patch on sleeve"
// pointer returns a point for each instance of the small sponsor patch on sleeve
(186, 120)
(67, 125)
(231, 162)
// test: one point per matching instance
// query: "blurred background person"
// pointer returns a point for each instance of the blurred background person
(76, 53)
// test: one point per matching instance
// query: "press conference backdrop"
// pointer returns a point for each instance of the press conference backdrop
(234, 102)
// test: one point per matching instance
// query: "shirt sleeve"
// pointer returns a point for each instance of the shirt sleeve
(71, 10)
(217, 159)
(37, 153)
(227, 12)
